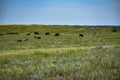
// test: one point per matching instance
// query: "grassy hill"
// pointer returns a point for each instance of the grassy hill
(95, 56)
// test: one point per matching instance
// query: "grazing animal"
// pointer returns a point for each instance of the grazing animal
(38, 37)
(114, 30)
(19, 40)
(47, 33)
(57, 34)
(36, 32)
(81, 35)
(27, 34)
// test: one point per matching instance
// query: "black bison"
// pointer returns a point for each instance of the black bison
(81, 35)
(38, 37)
(114, 30)
(36, 32)
(57, 34)
(47, 33)
(27, 34)
(19, 40)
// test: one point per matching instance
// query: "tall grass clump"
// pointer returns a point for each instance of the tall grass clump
(64, 64)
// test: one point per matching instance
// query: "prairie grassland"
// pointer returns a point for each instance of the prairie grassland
(95, 56)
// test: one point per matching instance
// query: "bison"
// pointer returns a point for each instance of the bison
(27, 34)
(36, 32)
(38, 37)
(114, 30)
(57, 34)
(81, 35)
(19, 40)
(47, 33)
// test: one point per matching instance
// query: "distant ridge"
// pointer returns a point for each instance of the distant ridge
(92, 26)
(95, 26)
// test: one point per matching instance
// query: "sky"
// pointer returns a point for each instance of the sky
(60, 12)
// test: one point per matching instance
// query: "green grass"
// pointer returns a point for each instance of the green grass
(65, 57)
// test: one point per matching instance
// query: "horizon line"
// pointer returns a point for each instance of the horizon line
(67, 24)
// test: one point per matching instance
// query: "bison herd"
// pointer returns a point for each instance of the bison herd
(37, 35)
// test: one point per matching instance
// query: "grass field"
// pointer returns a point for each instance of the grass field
(95, 56)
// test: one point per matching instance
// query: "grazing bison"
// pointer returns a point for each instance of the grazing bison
(114, 30)
(81, 35)
(36, 32)
(38, 37)
(19, 40)
(57, 34)
(47, 33)
(27, 34)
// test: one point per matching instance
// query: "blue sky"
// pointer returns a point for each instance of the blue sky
(60, 12)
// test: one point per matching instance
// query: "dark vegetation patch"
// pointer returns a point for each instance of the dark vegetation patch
(26, 40)
(8, 33)
(97, 48)
(1, 34)
(34, 36)
(11, 33)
